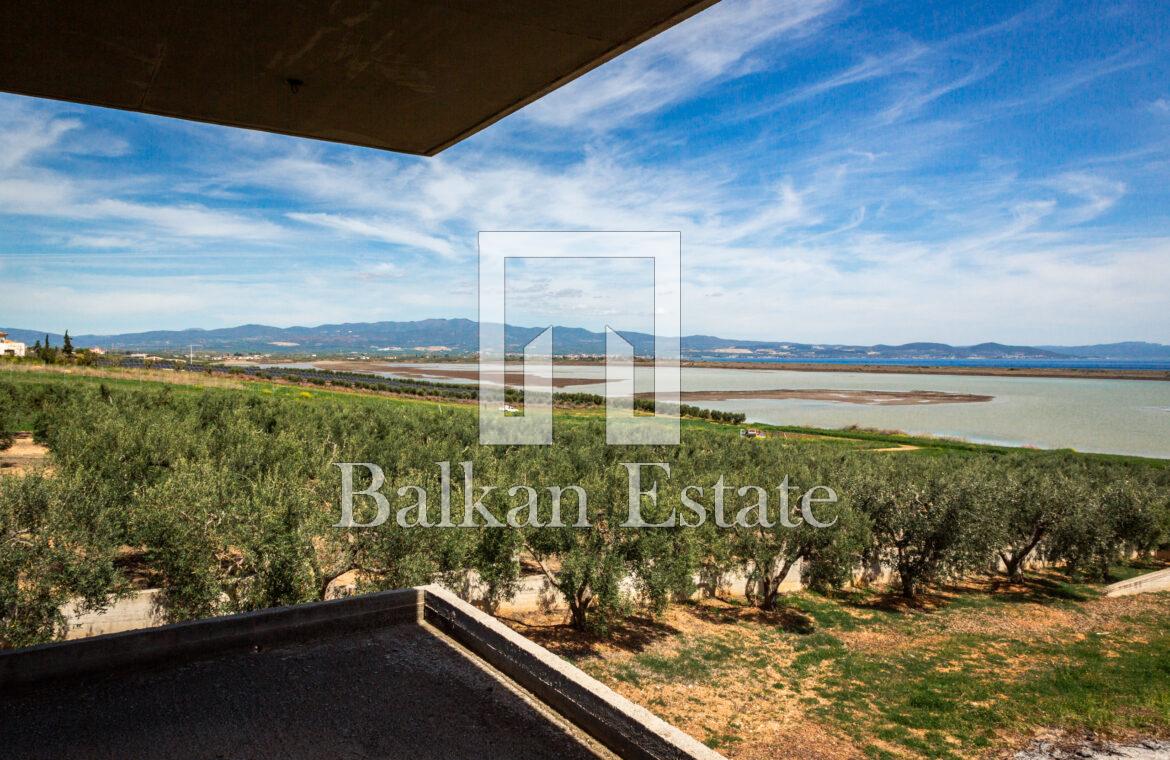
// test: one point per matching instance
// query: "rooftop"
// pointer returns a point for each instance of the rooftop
(414, 76)
(414, 674)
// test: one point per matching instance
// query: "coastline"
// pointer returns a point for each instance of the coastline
(1091, 373)
(902, 369)
(866, 397)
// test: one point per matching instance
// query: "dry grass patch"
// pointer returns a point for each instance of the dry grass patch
(23, 455)
(975, 671)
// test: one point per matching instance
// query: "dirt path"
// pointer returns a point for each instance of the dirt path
(1148, 749)
(899, 447)
(23, 455)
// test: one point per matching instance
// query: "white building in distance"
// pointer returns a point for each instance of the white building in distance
(10, 347)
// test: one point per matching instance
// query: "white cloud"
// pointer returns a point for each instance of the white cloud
(383, 270)
(28, 189)
(675, 65)
(101, 241)
(383, 231)
(182, 220)
(894, 224)
(870, 67)
(24, 133)
(1097, 194)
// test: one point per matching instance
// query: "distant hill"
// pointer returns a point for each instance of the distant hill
(461, 336)
(1132, 350)
(29, 336)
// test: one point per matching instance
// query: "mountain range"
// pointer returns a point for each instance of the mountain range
(461, 337)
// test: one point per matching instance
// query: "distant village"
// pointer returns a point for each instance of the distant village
(10, 347)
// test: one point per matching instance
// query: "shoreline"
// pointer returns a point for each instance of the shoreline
(922, 439)
(864, 397)
(1089, 373)
(513, 378)
(516, 379)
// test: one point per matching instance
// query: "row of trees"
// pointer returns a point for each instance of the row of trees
(47, 353)
(226, 501)
(426, 388)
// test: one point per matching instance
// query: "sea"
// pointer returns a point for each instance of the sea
(1158, 364)
(1129, 417)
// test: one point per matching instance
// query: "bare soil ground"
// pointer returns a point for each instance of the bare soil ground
(870, 398)
(796, 682)
(766, 723)
(516, 379)
(1062, 747)
(899, 447)
(23, 455)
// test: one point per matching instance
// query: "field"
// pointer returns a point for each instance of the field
(976, 671)
(222, 493)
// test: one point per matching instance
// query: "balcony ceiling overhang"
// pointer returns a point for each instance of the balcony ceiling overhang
(414, 76)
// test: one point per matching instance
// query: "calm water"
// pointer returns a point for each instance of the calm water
(1161, 364)
(1110, 416)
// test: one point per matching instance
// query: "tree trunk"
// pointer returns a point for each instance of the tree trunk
(773, 591)
(579, 608)
(905, 574)
(577, 613)
(754, 590)
(709, 579)
(872, 570)
(1011, 564)
(908, 585)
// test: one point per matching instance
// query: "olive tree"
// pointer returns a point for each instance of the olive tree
(48, 558)
(1032, 496)
(809, 526)
(930, 519)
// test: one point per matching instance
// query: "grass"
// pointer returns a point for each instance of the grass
(979, 670)
(1132, 570)
(831, 614)
(695, 660)
(193, 382)
(967, 692)
(929, 446)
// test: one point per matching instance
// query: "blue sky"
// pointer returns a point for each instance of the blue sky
(840, 172)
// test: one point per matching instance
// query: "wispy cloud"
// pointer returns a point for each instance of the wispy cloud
(873, 183)
(24, 133)
(920, 94)
(382, 270)
(673, 67)
(1096, 194)
(382, 231)
(181, 220)
(869, 68)
(27, 188)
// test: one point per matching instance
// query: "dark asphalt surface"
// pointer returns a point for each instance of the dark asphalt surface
(396, 692)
